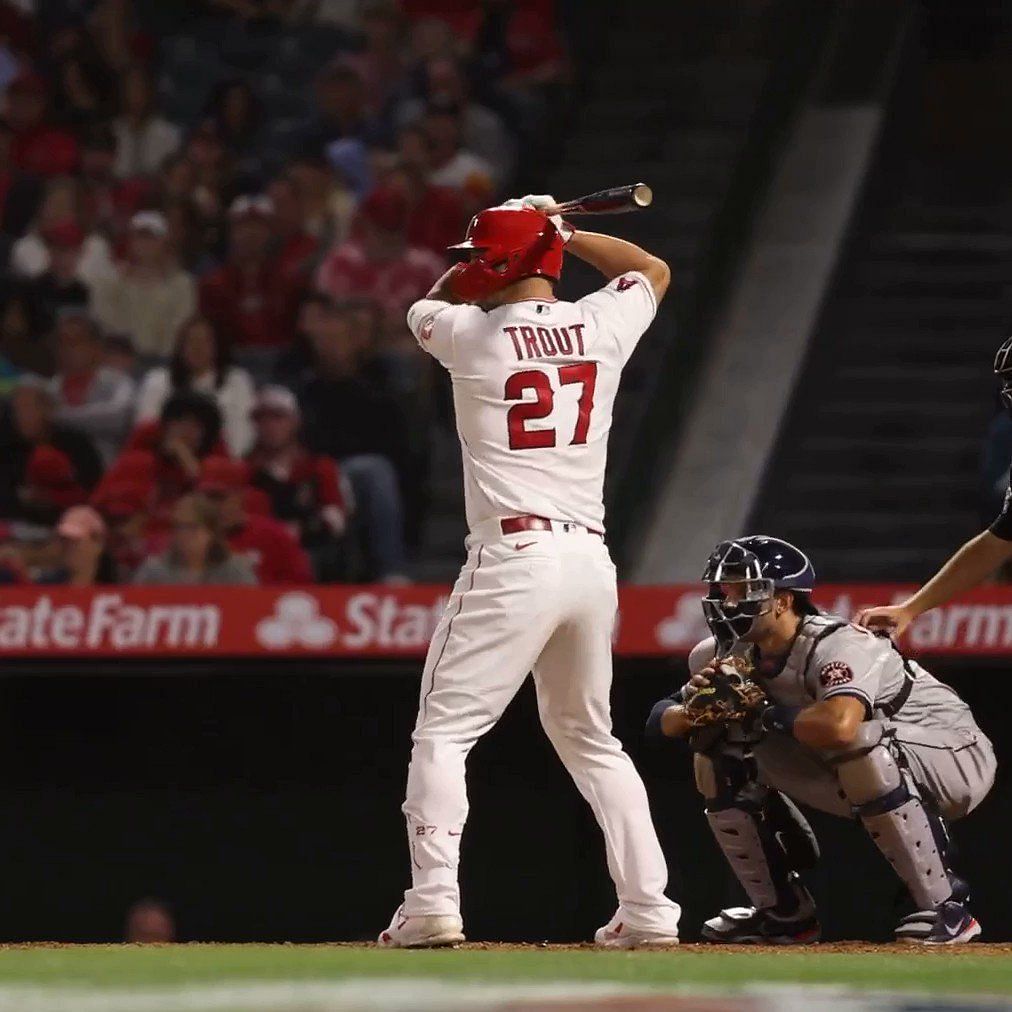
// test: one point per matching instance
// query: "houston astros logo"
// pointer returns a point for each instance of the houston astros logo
(835, 673)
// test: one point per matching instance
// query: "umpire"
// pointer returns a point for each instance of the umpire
(974, 562)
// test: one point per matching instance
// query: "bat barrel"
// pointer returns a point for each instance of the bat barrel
(613, 201)
(642, 195)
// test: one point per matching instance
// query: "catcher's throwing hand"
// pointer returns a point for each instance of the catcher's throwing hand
(727, 693)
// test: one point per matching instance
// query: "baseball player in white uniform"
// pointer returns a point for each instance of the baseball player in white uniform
(534, 382)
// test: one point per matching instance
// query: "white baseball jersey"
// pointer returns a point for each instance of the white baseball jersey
(534, 384)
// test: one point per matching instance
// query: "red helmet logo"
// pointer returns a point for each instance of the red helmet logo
(508, 246)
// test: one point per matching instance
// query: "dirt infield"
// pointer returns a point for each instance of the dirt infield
(820, 949)
(997, 949)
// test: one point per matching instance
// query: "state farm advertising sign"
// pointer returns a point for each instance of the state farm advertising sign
(379, 621)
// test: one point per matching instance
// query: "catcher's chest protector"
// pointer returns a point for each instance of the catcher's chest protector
(795, 684)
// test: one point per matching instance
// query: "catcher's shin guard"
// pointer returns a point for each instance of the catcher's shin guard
(894, 816)
(763, 836)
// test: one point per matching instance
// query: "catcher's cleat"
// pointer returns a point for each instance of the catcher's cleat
(430, 932)
(749, 926)
(950, 923)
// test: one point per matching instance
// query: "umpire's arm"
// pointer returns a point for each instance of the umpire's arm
(967, 568)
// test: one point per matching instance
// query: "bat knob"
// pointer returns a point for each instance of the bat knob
(642, 195)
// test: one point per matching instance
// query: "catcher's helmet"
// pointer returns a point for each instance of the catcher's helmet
(1003, 370)
(508, 244)
(762, 565)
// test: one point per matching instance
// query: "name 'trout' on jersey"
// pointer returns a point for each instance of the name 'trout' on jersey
(534, 385)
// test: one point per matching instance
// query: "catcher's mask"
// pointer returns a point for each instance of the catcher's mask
(506, 245)
(742, 577)
(1003, 370)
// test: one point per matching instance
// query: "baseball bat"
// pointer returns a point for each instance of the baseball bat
(616, 200)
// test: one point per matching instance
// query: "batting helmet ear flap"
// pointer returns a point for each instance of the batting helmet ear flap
(506, 245)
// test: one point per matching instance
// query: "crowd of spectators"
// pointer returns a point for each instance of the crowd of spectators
(205, 371)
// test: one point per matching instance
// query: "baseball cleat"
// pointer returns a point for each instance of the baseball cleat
(425, 932)
(749, 926)
(617, 934)
(950, 923)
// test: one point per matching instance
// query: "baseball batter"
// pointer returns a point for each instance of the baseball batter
(534, 381)
(849, 726)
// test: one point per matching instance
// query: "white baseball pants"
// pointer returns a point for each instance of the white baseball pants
(542, 601)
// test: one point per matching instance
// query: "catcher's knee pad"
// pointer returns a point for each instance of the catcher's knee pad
(721, 776)
(895, 818)
(762, 834)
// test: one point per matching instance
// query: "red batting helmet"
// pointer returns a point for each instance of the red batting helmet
(511, 244)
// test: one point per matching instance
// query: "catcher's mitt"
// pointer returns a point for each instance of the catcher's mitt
(731, 695)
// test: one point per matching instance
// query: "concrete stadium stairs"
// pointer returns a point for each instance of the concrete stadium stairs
(877, 469)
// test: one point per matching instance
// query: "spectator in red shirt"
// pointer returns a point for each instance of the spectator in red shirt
(304, 488)
(296, 247)
(125, 505)
(38, 148)
(379, 264)
(276, 556)
(250, 298)
(51, 482)
(436, 216)
(187, 431)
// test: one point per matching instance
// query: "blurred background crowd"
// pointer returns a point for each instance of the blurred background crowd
(213, 216)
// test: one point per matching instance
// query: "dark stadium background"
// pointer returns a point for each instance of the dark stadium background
(262, 802)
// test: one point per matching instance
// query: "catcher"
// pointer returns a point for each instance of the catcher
(787, 703)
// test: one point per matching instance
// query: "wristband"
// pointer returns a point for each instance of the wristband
(780, 718)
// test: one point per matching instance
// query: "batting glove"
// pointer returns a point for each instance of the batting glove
(541, 201)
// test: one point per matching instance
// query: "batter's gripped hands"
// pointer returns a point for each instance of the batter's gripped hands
(893, 618)
(543, 201)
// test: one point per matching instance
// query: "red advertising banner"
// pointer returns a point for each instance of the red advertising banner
(397, 622)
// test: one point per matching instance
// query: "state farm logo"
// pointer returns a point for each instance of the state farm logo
(686, 627)
(296, 622)
(108, 622)
(368, 622)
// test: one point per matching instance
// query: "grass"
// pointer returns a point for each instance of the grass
(133, 966)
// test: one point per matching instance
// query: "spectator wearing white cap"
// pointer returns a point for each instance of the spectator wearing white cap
(201, 361)
(251, 298)
(150, 296)
(305, 489)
